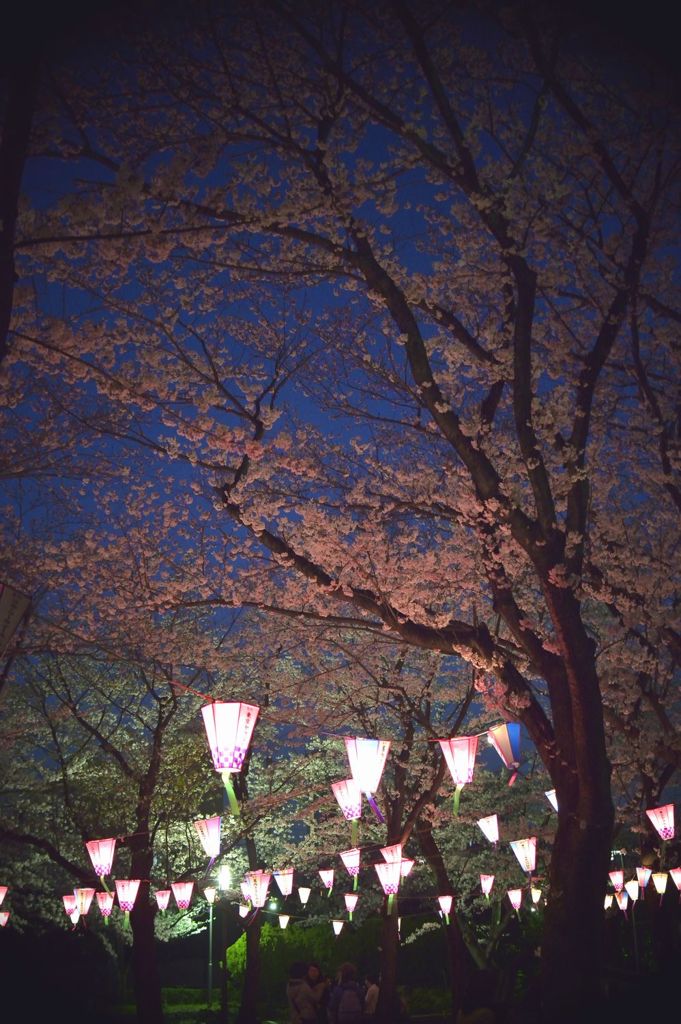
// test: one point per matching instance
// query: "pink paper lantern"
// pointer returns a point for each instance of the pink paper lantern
(245, 887)
(351, 899)
(284, 880)
(607, 902)
(126, 890)
(389, 874)
(101, 854)
(326, 875)
(105, 903)
(367, 759)
(350, 859)
(304, 894)
(516, 898)
(84, 898)
(284, 920)
(210, 892)
(459, 753)
(229, 727)
(209, 833)
(676, 877)
(486, 883)
(550, 795)
(631, 889)
(162, 898)
(182, 891)
(392, 854)
(622, 898)
(663, 820)
(617, 879)
(337, 927)
(4, 918)
(406, 867)
(349, 796)
(70, 903)
(526, 853)
(643, 876)
(3, 892)
(490, 827)
(259, 883)
(445, 904)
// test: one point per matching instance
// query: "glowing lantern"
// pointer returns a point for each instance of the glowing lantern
(516, 898)
(126, 890)
(389, 874)
(506, 741)
(406, 867)
(617, 879)
(607, 902)
(535, 894)
(660, 883)
(486, 883)
(283, 920)
(210, 892)
(367, 759)
(229, 727)
(3, 892)
(446, 906)
(163, 898)
(284, 880)
(259, 882)
(676, 876)
(663, 820)
(632, 890)
(350, 902)
(209, 834)
(224, 877)
(304, 894)
(337, 927)
(643, 876)
(244, 911)
(349, 797)
(105, 904)
(326, 875)
(550, 795)
(4, 918)
(182, 891)
(245, 887)
(526, 853)
(70, 904)
(101, 854)
(490, 827)
(622, 898)
(460, 754)
(84, 898)
(392, 854)
(350, 859)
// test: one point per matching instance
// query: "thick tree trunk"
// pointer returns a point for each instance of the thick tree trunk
(386, 1011)
(146, 980)
(247, 1011)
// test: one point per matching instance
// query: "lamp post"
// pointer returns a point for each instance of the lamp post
(224, 884)
(210, 893)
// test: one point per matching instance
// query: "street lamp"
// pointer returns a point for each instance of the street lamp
(224, 885)
(210, 892)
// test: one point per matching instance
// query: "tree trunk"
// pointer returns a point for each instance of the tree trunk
(386, 1010)
(146, 980)
(247, 1011)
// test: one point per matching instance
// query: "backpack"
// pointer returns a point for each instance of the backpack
(350, 1009)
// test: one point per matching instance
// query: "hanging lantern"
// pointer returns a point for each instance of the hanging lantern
(535, 894)
(210, 892)
(84, 898)
(182, 891)
(244, 911)
(209, 834)
(349, 797)
(245, 887)
(676, 878)
(4, 918)
(162, 898)
(284, 920)
(622, 898)
(460, 754)
(70, 904)
(259, 883)
(337, 927)
(367, 759)
(350, 902)
(392, 854)
(105, 904)
(617, 879)
(526, 853)
(126, 890)
(663, 820)
(446, 906)
(632, 890)
(3, 892)
(304, 894)
(516, 898)
(607, 902)
(660, 883)
(506, 741)
(229, 727)
(101, 854)
(350, 859)
(406, 867)
(326, 876)
(643, 876)
(550, 795)
(284, 880)
(486, 883)
(490, 827)
(389, 875)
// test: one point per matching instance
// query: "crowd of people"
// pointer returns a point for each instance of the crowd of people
(315, 998)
